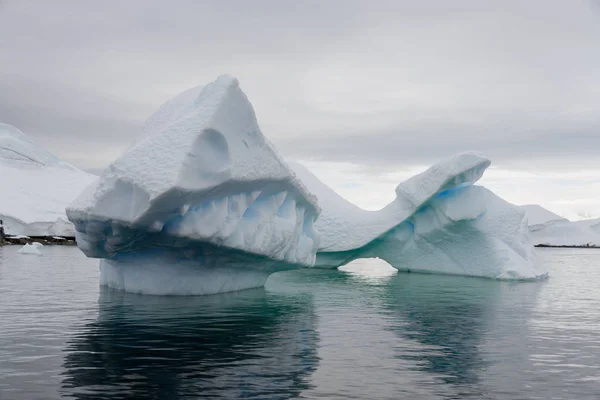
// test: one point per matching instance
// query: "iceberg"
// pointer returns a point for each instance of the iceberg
(31, 248)
(439, 222)
(549, 229)
(36, 187)
(200, 203)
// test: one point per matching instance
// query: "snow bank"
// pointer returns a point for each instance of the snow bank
(18, 237)
(438, 223)
(551, 229)
(36, 187)
(200, 178)
(564, 233)
(593, 224)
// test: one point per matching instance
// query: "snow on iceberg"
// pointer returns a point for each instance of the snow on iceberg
(550, 229)
(36, 187)
(439, 223)
(200, 203)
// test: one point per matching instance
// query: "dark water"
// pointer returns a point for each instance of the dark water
(308, 334)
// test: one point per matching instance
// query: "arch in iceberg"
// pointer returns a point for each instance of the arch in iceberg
(439, 222)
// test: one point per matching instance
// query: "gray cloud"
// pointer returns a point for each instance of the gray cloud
(384, 82)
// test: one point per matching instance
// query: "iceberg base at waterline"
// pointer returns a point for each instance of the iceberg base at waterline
(194, 271)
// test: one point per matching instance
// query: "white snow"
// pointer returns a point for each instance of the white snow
(200, 176)
(31, 249)
(593, 224)
(35, 187)
(438, 223)
(550, 229)
(537, 214)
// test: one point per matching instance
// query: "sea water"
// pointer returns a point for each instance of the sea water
(364, 333)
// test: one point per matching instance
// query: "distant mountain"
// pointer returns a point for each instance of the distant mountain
(548, 228)
(35, 187)
(593, 224)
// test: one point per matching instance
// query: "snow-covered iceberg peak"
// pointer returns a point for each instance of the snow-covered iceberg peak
(461, 170)
(36, 187)
(439, 222)
(201, 177)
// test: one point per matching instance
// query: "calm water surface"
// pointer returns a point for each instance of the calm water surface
(307, 334)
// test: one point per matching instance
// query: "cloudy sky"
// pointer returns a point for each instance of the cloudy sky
(366, 93)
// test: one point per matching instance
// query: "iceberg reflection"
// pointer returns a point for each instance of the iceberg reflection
(233, 345)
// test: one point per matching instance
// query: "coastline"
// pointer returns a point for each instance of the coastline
(70, 241)
(45, 240)
(585, 246)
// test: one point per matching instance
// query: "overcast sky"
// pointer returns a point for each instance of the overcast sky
(365, 92)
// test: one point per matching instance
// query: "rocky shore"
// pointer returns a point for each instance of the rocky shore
(45, 240)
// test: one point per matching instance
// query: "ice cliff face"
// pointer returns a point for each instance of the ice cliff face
(201, 185)
(439, 223)
(35, 187)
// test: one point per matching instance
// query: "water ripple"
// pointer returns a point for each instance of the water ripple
(365, 333)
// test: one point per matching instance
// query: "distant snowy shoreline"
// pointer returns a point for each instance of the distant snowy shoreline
(45, 240)
(551, 246)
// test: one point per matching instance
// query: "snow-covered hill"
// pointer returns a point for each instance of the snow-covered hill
(537, 214)
(593, 224)
(551, 229)
(35, 187)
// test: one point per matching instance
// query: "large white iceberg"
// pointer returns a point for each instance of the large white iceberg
(550, 229)
(35, 187)
(439, 222)
(201, 203)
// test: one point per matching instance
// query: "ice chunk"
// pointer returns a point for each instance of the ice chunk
(439, 223)
(31, 249)
(370, 270)
(201, 177)
(36, 187)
